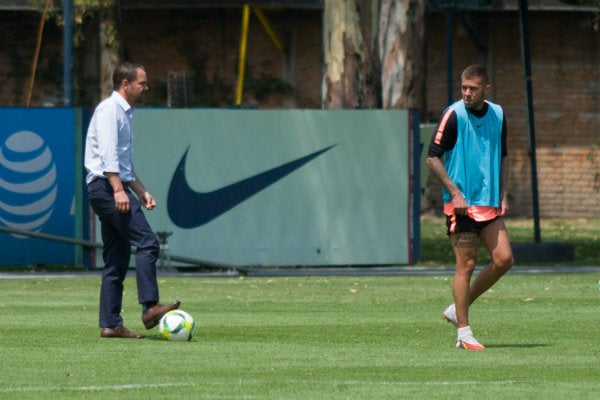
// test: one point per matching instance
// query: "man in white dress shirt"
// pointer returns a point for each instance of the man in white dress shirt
(111, 182)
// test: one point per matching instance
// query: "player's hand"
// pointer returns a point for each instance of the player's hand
(122, 201)
(460, 204)
(504, 207)
(148, 201)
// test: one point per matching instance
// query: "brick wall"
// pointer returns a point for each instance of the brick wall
(565, 77)
(212, 36)
(18, 31)
(565, 56)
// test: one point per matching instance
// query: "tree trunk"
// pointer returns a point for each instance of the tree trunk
(351, 78)
(110, 44)
(402, 52)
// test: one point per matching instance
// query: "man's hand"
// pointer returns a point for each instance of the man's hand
(121, 201)
(148, 201)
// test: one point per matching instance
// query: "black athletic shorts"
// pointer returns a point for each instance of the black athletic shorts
(464, 223)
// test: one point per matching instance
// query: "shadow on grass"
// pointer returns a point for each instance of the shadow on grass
(515, 346)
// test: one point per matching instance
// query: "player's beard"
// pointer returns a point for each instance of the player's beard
(472, 103)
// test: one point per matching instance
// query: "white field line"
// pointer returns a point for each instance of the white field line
(101, 388)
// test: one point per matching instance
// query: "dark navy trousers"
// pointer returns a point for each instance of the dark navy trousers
(119, 233)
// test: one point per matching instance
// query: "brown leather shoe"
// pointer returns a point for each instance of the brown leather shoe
(120, 332)
(153, 315)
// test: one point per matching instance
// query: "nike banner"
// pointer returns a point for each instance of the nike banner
(291, 187)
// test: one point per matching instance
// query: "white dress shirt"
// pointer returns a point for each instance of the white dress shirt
(109, 142)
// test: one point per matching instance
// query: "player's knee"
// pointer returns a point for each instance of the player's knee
(466, 267)
(470, 265)
(504, 262)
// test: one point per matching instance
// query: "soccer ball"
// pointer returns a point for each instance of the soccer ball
(177, 325)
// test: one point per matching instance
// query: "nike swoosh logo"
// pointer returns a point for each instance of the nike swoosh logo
(189, 209)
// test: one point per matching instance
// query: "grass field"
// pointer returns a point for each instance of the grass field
(306, 338)
(316, 337)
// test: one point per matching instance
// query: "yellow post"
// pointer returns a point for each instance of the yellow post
(242, 60)
(37, 52)
(268, 27)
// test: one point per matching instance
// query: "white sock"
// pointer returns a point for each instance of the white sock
(464, 333)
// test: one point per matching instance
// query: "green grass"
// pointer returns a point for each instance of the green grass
(306, 338)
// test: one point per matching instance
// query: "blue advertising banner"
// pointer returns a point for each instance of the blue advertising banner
(37, 169)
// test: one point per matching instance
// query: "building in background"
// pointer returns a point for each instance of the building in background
(192, 49)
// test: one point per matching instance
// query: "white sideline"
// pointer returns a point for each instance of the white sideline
(100, 388)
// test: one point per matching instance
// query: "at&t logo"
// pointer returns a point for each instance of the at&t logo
(28, 186)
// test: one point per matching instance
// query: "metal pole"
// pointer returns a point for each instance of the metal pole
(524, 24)
(242, 60)
(36, 54)
(449, 57)
(68, 53)
(85, 243)
(268, 27)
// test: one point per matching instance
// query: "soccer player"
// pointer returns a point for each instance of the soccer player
(467, 154)
(111, 179)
